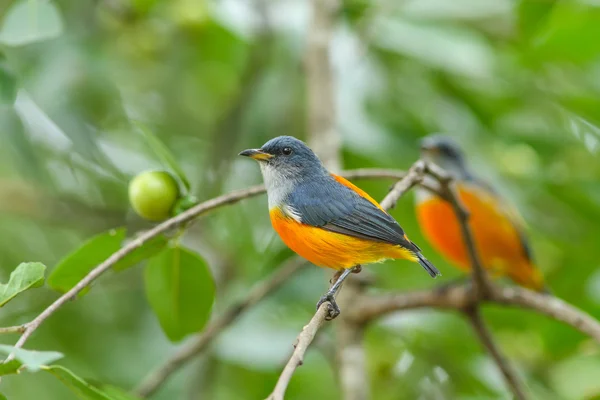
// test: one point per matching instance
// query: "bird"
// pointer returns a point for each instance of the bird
(326, 219)
(497, 227)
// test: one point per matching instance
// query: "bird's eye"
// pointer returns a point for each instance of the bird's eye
(287, 151)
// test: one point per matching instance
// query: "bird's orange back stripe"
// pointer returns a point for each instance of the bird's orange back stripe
(358, 190)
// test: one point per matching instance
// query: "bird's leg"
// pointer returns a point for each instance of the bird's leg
(334, 311)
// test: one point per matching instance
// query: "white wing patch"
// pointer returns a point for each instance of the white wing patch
(292, 213)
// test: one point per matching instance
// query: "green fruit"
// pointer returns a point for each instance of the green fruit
(153, 194)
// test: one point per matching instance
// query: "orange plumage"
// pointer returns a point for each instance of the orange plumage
(330, 249)
(497, 238)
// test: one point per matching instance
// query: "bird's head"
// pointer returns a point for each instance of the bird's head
(286, 159)
(444, 152)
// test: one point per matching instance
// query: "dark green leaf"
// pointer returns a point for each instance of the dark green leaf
(180, 289)
(147, 250)
(163, 153)
(82, 260)
(33, 360)
(25, 276)
(30, 21)
(2, 397)
(81, 388)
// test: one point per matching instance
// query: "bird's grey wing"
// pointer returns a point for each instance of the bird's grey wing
(336, 208)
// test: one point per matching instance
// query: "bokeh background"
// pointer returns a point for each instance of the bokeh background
(516, 82)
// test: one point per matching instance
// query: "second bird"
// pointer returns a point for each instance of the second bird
(497, 232)
(325, 218)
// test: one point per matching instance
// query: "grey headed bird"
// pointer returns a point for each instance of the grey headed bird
(325, 218)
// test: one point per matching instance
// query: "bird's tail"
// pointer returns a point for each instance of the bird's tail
(429, 267)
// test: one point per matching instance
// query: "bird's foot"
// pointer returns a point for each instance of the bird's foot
(357, 269)
(334, 310)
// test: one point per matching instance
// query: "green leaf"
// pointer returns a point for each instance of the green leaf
(80, 387)
(30, 21)
(11, 367)
(147, 250)
(25, 276)
(81, 261)
(163, 153)
(32, 360)
(181, 290)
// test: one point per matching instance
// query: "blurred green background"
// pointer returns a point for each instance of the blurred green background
(517, 83)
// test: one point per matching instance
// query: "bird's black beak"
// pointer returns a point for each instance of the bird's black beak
(257, 154)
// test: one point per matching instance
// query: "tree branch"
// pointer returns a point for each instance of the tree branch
(157, 377)
(13, 329)
(459, 298)
(487, 340)
(304, 340)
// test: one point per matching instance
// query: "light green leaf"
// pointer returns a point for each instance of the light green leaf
(163, 153)
(25, 276)
(30, 21)
(82, 260)
(80, 387)
(32, 360)
(147, 250)
(181, 290)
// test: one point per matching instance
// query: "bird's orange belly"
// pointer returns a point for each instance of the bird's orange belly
(329, 249)
(496, 239)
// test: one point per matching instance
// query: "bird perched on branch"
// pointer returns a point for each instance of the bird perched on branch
(497, 229)
(325, 218)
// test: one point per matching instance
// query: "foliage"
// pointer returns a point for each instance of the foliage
(515, 81)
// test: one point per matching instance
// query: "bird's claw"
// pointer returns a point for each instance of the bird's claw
(334, 310)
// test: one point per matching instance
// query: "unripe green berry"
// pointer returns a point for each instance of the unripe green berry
(153, 194)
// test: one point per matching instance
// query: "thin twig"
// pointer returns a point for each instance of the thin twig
(413, 177)
(304, 340)
(487, 340)
(459, 298)
(13, 329)
(157, 377)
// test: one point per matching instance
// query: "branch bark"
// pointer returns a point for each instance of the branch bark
(510, 375)
(157, 377)
(304, 340)
(459, 298)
